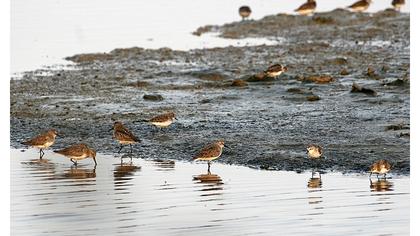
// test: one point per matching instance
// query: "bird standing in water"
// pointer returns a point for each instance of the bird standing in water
(124, 136)
(42, 141)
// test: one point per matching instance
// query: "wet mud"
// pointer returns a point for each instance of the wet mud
(267, 123)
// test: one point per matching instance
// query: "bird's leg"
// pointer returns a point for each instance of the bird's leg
(74, 162)
(41, 153)
(119, 150)
(385, 176)
(377, 176)
(208, 168)
(370, 175)
(131, 148)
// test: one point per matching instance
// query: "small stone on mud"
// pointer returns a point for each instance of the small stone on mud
(318, 79)
(359, 89)
(239, 83)
(397, 127)
(313, 98)
(344, 72)
(153, 97)
(371, 73)
(294, 90)
(257, 77)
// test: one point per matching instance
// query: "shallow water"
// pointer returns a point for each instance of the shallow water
(52, 197)
(43, 33)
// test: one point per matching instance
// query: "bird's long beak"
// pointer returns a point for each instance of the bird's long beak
(59, 135)
(226, 146)
(175, 118)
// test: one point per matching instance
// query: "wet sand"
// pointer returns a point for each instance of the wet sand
(266, 123)
(164, 197)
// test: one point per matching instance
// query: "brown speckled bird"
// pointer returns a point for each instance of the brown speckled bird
(78, 152)
(314, 151)
(360, 6)
(307, 8)
(124, 136)
(380, 167)
(42, 141)
(244, 12)
(397, 4)
(275, 70)
(210, 152)
(163, 120)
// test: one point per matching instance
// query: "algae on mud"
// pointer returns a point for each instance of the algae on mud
(265, 124)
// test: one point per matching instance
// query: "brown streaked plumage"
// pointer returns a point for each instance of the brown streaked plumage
(275, 70)
(244, 12)
(78, 152)
(360, 6)
(397, 4)
(210, 152)
(380, 167)
(124, 136)
(314, 151)
(163, 120)
(42, 141)
(307, 8)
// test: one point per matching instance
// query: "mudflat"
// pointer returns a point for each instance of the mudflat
(347, 89)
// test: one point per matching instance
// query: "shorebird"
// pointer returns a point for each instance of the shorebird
(360, 6)
(380, 167)
(307, 8)
(397, 4)
(78, 152)
(210, 152)
(244, 12)
(275, 70)
(163, 120)
(314, 151)
(123, 135)
(42, 141)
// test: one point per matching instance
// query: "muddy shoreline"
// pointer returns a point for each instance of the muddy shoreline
(266, 123)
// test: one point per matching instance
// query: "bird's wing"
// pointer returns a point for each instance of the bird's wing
(74, 150)
(126, 135)
(211, 150)
(306, 6)
(38, 140)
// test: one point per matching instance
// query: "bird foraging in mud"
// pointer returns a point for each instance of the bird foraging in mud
(380, 167)
(163, 120)
(307, 8)
(78, 152)
(275, 70)
(360, 6)
(42, 141)
(210, 152)
(397, 4)
(244, 12)
(124, 136)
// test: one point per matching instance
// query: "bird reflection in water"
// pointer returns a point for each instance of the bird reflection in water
(209, 182)
(124, 170)
(76, 172)
(164, 165)
(381, 185)
(43, 166)
(314, 184)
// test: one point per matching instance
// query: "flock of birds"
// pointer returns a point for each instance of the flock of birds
(214, 150)
(124, 136)
(309, 7)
